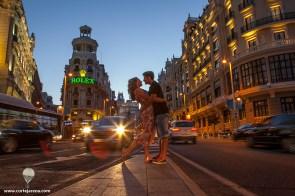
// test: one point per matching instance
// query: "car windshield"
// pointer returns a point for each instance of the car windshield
(184, 124)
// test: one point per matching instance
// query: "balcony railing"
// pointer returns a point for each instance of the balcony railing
(202, 66)
(245, 4)
(267, 20)
(271, 45)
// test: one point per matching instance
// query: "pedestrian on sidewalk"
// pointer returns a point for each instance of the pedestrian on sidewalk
(161, 116)
(146, 136)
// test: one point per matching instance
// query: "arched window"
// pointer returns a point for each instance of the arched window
(77, 61)
(90, 48)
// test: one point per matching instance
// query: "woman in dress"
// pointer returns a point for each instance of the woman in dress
(146, 136)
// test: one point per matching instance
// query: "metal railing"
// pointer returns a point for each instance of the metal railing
(274, 44)
(267, 20)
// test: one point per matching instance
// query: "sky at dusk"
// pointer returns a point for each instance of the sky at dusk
(133, 35)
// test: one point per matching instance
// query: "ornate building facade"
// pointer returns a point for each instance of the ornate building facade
(173, 83)
(17, 65)
(86, 91)
(250, 43)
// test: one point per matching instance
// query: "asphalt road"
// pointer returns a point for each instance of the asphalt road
(262, 171)
(66, 163)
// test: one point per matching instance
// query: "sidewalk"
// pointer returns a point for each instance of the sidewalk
(134, 178)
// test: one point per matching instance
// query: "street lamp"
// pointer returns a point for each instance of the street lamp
(104, 104)
(64, 100)
(224, 61)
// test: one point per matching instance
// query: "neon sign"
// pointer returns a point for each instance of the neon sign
(83, 80)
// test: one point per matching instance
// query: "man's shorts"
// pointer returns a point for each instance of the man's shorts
(162, 125)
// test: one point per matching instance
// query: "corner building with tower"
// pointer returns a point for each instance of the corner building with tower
(86, 91)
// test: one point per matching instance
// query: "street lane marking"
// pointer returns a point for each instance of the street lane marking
(59, 159)
(194, 188)
(216, 176)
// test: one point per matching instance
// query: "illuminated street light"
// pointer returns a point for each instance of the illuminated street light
(224, 61)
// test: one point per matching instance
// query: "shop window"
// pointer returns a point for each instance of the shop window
(282, 67)
(288, 104)
(260, 108)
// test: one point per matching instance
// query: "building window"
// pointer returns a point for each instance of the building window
(276, 13)
(217, 89)
(248, 21)
(254, 73)
(77, 61)
(288, 104)
(226, 116)
(216, 64)
(236, 79)
(260, 108)
(282, 67)
(77, 69)
(252, 44)
(279, 35)
(242, 111)
(203, 98)
(215, 45)
(75, 102)
(76, 92)
(208, 95)
(88, 102)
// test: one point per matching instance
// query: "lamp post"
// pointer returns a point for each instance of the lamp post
(224, 61)
(104, 104)
(64, 101)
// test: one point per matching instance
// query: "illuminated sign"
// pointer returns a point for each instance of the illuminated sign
(82, 80)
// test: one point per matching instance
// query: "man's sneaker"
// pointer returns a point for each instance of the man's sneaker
(161, 162)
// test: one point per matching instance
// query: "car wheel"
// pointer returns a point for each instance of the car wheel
(250, 142)
(10, 145)
(288, 145)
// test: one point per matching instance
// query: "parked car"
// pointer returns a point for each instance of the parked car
(114, 131)
(183, 130)
(275, 130)
(16, 134)
(242, 132)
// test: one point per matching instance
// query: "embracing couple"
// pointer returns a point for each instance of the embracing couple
(153, 115)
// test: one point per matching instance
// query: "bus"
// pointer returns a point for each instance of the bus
(15, 108)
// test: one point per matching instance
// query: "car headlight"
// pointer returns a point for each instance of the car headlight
(86, 130)
(120, 130)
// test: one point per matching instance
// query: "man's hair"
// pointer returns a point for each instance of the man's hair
(149, 73)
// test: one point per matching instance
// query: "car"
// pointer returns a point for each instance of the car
(275, 130)
(78, 137)
(242, 132)
(112, 131)
(183, 130)
(17, 133)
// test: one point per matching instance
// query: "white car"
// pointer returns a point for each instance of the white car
(183, 130)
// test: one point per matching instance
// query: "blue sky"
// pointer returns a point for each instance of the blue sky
(133, 35)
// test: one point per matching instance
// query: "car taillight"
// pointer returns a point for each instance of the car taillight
(175, 129)
(194, 129)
